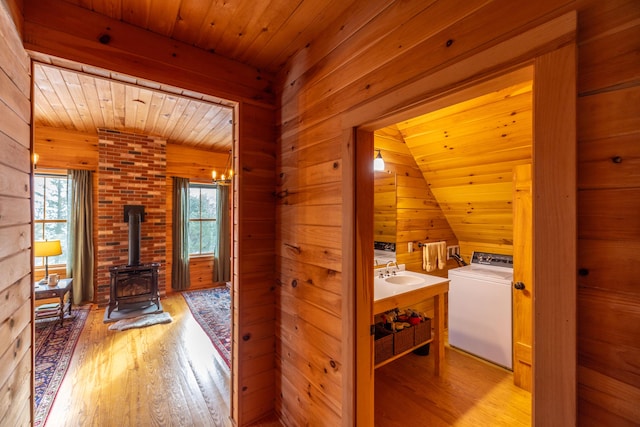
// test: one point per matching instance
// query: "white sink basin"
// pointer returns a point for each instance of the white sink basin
(403, 280)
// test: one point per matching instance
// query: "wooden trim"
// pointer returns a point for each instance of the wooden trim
(554, 238)
(409, 100)
(68, 31)
(552, 48)
(363, 214)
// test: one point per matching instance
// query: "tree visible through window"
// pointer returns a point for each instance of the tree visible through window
(202, 217)
(51, 212)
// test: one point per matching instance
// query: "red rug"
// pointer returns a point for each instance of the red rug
(54, 346)
(212, 310)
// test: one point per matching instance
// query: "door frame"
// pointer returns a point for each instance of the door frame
(551, 49)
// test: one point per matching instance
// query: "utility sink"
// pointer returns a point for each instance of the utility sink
(403, 280)
(402, 284)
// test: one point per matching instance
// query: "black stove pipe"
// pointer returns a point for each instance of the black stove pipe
(134, 215)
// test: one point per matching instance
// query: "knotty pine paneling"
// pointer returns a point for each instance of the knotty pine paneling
(608, 232)
(419, 217)
(360, 58)
(254, 286)
(66, 149)
(137, 52)
(610, 162)
(605, 264)
(466, 152)
(329, 79)
(384, 207)
(201, 272)
(308, 268)
(423, 49)
(16, 281)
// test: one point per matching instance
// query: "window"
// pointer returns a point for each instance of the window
(202, 217)
(51, 212)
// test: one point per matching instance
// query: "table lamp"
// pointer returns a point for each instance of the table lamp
(46, 249)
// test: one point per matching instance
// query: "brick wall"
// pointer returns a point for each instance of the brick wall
(131, 171)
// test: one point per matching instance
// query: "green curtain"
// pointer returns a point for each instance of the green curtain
(180, 257)
(222, 249)
(80, 264)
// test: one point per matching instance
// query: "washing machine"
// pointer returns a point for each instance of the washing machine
(480, 308)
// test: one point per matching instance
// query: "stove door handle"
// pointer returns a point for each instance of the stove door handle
(519, 286)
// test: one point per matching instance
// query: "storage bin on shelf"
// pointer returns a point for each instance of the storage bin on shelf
(390, 343)
(383, 343)
(422, 331)
(403, 340)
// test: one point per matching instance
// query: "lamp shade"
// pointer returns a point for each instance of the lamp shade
(47, 248)
(378, 162)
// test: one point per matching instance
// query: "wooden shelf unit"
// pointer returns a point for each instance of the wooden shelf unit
(437, 292)
(407, 351)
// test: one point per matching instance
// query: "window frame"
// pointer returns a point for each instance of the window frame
(39, 262)
(200, 186)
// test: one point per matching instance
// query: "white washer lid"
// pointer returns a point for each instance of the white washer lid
(478, 271)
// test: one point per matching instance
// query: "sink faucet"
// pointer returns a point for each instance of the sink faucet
(389, 263)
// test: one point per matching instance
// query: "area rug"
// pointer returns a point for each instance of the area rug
(141, 321)
(54, 346)
(212, 310)
(131, 310)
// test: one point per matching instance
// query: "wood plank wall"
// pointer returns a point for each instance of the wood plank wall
(608, 206)
(357, 60)
(419, 216)
(16, 328)
(384, 207)
(66, 31)
(254, 296)
(379, 50)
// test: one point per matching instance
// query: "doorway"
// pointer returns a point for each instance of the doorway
(455, 166)
(554, 215)
(95, 99)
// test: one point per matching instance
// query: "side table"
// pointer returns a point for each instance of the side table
(45, 291)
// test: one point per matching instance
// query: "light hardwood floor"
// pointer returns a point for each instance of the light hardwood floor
(163, 375)
(469, 392)
(170, 375)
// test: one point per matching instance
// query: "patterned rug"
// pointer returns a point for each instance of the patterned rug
(54, 346)
(212, 310)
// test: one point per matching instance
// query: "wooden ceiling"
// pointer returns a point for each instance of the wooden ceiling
(263, 34)
(78, 101)
(466, 153)
(260, 33)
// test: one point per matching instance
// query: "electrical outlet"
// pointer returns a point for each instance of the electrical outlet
(452, 250)
(410, 247)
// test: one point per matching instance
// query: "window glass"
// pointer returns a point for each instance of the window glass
(202, 217)
(51, 211)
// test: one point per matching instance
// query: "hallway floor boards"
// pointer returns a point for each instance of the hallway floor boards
(156, 376)
(171, 375)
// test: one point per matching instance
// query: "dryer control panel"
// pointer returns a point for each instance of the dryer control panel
(494, 260)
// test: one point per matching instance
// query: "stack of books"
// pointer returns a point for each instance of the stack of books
(48, 309)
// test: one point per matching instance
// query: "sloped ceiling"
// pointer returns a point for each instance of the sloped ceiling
(466, 153)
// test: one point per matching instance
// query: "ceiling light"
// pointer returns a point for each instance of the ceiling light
(226, 177)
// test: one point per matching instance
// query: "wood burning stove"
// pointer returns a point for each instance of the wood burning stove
(134, 283)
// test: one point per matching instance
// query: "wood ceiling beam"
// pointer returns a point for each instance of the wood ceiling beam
(63, 30)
